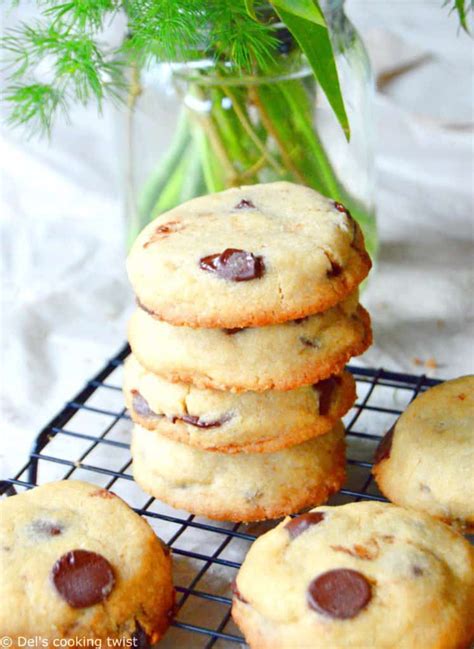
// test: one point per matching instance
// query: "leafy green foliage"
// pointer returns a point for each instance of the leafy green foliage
(177, 30)
(61, 59)
(34, 105)
(462, 7)
(58, 61)
(306, 9)
(237, 37)
(62, 53)
(305, 20)
(83, 14)
(165, 30)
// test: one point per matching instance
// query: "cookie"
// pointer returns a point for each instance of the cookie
(243, 487)
(427, 460)
(248, 256)
(360, 575)
(77, 563)
(277, 357)
(250, 422)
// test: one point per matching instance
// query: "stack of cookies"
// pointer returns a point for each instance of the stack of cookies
(247, 312)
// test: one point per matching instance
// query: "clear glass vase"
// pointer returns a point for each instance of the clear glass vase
(197, 128)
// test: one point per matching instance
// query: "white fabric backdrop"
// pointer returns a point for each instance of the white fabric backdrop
(65, 300)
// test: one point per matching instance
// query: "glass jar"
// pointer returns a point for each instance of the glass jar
(197, 128)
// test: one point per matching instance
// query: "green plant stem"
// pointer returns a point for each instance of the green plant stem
(227, 125)
(297, 100)
(245, 121)
(207, 124)
(274, 132)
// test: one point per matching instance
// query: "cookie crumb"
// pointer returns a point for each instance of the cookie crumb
(430, 363)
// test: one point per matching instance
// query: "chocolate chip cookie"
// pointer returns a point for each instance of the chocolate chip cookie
(248, 256)
(242, 487)
(249, 422)
(359, 575)
(427, 460)
(77, 562)
(276, 357)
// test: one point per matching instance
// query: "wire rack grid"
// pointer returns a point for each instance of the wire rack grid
(88, 440)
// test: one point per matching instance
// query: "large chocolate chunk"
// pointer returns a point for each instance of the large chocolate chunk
(140, 405)
(385, 446)
(335, 270)
(340, 593)
(234, 265)
(83, 578)
(326, 390)
(301, 523)
(194, 420)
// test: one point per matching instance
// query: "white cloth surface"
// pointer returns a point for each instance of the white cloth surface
(65, 300)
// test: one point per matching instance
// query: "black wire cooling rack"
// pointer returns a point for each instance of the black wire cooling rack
(88, 440)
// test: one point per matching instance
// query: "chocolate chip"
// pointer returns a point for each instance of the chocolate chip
(326, 390)
(245, 204)
(46, 528)
(385, 446)
(140, 640)
(235, 265)
(235, 330)
(236, 592)
(417, 571)
(194, 420)
(310, 342)
(83, 578)
(301, 523)
(339, 593)
(367, 553)
(140, 405)
(336, 268)
(340, 208)
(163, 231)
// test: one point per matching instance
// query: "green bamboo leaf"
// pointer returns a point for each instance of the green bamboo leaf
(314, 40)
(307, 9)
(250, 9)
(460, 6)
